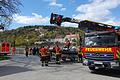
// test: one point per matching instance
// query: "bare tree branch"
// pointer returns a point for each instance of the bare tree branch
(7, 9)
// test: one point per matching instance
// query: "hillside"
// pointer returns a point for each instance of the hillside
(30, 34)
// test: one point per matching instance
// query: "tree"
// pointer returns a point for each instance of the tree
(7, 9)
(74, 40)
(66, 39)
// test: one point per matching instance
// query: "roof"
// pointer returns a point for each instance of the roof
(100, 32)
(95, 26)
(72, 36)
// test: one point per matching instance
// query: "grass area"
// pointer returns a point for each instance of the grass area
(2, 57)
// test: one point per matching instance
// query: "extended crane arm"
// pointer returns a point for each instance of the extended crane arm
(72, 20)
(58, 19)
(83, 24)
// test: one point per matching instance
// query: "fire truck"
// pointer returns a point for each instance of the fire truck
(100, 44)
(4, 48)
(101, 49)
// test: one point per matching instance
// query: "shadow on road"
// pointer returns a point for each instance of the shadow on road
(68, 63)
(53, 64)
(8, 70)
(111, 72)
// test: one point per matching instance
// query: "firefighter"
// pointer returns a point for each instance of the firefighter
(48, 53)
(14, 50)
(67, 44)
(58, 54)
(80, 58)
(43, 56)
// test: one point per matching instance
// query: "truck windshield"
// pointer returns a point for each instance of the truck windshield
(100, 39)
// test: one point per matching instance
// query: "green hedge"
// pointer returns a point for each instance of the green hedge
(4, 58)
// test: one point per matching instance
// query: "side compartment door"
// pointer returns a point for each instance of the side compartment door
(7, 47)
(3, 47)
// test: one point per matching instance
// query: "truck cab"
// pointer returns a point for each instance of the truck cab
(101, 49)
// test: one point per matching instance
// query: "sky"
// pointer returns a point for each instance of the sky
(37, 12)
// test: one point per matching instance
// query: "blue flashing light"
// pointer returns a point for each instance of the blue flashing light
(88, 31)
(116, 27)
(105, 55)
(90, 54)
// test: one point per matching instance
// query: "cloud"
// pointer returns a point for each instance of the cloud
(98, 10)
(54, 3)
(30, 20)
(63, 9)
(67, 24)
(72, 1)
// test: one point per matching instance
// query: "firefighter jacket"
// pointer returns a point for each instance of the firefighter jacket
(43, 52)
(57, 50)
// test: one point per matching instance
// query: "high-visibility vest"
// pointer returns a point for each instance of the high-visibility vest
(79, 51)
(13, 49)
(43, 52)
(57, 50)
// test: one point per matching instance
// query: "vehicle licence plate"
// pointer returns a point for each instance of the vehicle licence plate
(114, 64)
(97, 62)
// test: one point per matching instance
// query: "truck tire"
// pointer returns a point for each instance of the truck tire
(72, 59)
(5, 54)
(92, 68)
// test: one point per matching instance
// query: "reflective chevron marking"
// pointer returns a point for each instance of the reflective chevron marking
(118, 54)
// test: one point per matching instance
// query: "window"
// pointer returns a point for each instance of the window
(3, 45)
(7, 45)
(118, 37)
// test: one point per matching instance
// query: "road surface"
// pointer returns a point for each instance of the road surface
(20, 67)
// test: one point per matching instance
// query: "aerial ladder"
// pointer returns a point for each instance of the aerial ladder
(85, 25)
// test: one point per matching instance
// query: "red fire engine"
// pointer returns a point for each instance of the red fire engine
(5, 48)
(100, 44)
(101, 49)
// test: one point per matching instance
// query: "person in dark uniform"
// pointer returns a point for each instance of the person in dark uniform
(26, 51)
(34, 50)
(48, 53)
(37, 50)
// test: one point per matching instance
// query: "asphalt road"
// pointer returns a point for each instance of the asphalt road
(23, 68)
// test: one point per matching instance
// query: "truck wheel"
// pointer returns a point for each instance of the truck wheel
(72, 59)
(92, 68)
(5, 54)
